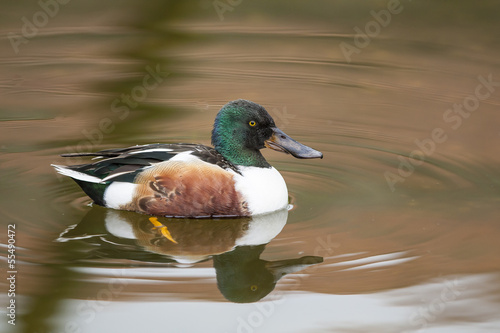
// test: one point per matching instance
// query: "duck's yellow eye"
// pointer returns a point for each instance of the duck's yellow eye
(254, 288)
(252, 123)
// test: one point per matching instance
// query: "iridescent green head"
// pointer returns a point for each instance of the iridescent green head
(242, 128)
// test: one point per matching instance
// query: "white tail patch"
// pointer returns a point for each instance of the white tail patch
(119, 194)
(77, 175)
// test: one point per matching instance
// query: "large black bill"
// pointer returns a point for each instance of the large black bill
(279, 141)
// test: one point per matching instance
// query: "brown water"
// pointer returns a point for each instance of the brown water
(395, 230)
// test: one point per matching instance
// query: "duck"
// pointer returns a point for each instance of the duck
(230, 179)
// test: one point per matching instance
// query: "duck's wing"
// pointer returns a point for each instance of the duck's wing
(124, 164)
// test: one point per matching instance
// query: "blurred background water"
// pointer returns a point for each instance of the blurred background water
(395, 230)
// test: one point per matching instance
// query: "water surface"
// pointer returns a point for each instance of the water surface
(395, 230)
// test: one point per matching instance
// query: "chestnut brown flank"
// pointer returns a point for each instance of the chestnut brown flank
(176, 188)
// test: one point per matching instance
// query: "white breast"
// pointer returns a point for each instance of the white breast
(264, 189)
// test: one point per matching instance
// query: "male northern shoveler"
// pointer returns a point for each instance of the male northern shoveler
(191, 180)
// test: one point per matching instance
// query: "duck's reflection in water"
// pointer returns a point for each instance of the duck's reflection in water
(235, 245)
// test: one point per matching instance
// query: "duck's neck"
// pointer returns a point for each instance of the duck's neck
(243, 157)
